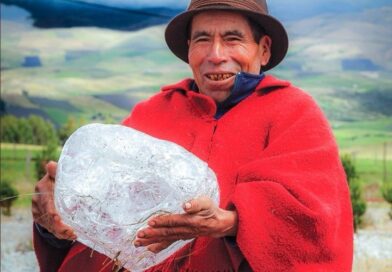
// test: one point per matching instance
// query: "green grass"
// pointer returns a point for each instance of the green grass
(59, 116)
(354, 138)
(367, 142)
(17, 169)
(372, 170)
(364, 135)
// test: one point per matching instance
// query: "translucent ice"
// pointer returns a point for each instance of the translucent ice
(111, 179)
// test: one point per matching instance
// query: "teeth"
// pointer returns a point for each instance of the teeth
(218, 77)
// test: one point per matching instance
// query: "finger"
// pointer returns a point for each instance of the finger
(45, 213)
(41, 197)
(65, 233)
(150, 241)
(155, 248)
(57, 228)
(61, 227)
(51, 168)
(171, 220)
(198, 204)
(36, 211)
(150, 235)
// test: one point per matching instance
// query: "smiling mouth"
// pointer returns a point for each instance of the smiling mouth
(219, 77)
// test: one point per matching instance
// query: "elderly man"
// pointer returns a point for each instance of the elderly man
(284, 200)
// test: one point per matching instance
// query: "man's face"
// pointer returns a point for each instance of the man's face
(221, 45)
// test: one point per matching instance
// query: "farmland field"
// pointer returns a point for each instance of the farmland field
(18, 168)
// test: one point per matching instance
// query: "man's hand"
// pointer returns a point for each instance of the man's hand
(201, 218)
(43, 209)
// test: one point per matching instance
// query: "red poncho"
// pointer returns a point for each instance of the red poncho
(277, 164)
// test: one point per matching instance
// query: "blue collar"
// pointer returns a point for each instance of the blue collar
(244, 86)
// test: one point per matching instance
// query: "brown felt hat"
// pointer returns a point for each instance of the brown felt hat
(176, 34)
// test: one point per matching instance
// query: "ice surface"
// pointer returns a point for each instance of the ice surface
(111, 179)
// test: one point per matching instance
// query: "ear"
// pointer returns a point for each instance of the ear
(265, 49)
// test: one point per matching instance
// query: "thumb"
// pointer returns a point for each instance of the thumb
(198, 204)
(51, 168)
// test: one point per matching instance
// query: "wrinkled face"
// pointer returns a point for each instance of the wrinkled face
(221, 45)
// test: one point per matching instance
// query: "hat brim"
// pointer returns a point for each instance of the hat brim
(176, 34)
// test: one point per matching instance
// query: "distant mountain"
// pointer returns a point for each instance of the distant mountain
(292, 10)
(359, 41)
(137, 14)
(65, 13)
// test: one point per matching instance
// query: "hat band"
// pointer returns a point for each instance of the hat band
(247, 5)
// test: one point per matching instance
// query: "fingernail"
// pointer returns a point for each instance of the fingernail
(188, 205)
(151, 223)
(140, 234)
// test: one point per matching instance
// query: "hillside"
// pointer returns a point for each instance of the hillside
(344, 60)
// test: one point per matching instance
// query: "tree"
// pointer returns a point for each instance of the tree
(31, 130)
(8, 194)
(49, 153)
(386, 191)
(9, 129)
(357, 201)
(25, 132)
(67, 129)
(42, 129)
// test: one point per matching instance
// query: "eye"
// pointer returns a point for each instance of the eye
(201, 39)
(233, 38)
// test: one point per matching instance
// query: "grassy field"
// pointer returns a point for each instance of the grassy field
(18, 168)
(370, 145)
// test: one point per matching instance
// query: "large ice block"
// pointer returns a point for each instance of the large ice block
(111, 179)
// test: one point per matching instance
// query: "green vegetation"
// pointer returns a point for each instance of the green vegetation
(364, 134)
(48, 153)
(8, 194)
(387, 194)
(357, 201)
(31, 130)
(67, 129)
(22, 163)
(59, 116)
(18, 168)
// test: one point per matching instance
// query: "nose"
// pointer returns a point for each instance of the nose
(217, 54)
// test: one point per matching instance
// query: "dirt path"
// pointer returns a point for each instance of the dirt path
(16, 246)
(373, 242)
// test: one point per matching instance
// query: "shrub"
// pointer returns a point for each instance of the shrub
(31, 130)
(49, 153)
(8, 194)
(386, 191)
(357, 201)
